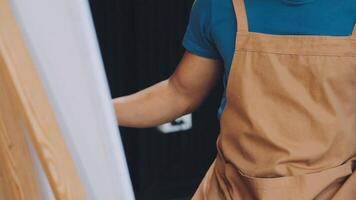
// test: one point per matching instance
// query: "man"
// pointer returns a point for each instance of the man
(288, 117)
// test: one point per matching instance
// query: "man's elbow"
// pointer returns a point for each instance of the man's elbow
(187, 100)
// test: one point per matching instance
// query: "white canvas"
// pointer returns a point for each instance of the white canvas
(63, 44)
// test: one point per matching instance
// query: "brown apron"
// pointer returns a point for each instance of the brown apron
(288, 131)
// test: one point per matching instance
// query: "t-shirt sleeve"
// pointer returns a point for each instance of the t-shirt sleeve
(198, 38)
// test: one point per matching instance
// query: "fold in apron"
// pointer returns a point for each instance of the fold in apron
(288, 131)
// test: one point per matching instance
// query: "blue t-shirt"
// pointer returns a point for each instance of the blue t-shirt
(212, 27)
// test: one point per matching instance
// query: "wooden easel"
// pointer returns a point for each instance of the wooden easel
(25, 112)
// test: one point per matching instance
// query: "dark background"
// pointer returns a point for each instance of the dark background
(140, 41)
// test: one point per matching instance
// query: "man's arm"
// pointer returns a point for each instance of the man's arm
(165, 101)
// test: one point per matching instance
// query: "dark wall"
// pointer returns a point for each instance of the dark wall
(140, 42)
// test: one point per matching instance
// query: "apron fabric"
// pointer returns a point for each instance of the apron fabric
(288, 131)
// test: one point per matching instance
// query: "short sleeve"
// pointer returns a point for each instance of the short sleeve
(197, 38)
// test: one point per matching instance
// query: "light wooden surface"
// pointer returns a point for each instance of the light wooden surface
(18, 180)
(29, 100)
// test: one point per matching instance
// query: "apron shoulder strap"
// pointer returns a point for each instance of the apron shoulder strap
(241, 16)
(353, 36)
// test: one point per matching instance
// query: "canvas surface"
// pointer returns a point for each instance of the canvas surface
(62, 42)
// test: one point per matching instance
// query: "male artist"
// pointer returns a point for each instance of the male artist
(288, 116)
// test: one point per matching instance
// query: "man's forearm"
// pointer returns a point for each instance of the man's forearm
(151, 107)
(182, 93)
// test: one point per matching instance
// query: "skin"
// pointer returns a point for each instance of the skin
(167, 100)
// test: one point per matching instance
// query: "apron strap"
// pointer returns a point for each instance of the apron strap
(241, 16)
(353, 36)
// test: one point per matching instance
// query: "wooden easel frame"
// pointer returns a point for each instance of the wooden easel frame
(24, 105)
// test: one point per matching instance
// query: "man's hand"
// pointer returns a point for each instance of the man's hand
(165, 101)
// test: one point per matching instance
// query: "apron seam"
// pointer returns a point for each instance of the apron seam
(296, 54)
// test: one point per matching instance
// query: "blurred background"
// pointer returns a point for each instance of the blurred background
(141, 44)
